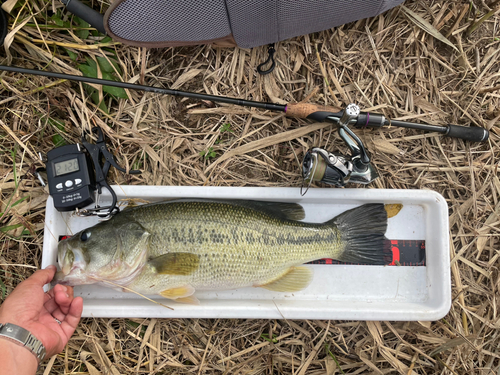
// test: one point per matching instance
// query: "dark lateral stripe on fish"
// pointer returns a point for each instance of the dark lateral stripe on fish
(404, 253)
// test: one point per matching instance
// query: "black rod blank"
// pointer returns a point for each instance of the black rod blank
(157, 90)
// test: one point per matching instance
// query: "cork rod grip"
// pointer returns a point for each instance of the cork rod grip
(311, 111)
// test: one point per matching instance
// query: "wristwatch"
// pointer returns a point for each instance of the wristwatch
(23, 337)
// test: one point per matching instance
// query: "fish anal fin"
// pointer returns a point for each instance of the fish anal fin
(297, 278)
(182, 264)
(178, 293)
(191, 300)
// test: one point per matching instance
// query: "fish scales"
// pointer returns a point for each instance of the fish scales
(237, 246)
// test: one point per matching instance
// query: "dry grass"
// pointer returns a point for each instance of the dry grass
(387, 64)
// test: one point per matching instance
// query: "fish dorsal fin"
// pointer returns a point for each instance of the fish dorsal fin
(297, 278)
(281, 210)
(182, 292)
(182, 264)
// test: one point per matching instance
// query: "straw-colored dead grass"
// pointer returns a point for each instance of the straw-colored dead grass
(387, 64)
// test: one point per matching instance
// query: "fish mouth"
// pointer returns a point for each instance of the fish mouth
(72, 263)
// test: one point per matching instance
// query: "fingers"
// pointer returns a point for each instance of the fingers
(63, 297)
(58, 314)
(59, 298)
(74, 314)
(69, 291)
(49, 295)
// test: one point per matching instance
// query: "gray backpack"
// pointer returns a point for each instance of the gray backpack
(244, 23)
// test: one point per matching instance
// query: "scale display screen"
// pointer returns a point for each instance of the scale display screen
(67, 166)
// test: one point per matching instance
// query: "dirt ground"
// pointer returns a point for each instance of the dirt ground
(441, 71)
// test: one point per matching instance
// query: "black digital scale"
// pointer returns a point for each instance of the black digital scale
(70, 177)
(76, 176)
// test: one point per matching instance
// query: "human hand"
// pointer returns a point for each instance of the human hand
(32, 309)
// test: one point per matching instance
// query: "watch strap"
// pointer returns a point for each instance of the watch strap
(24, 338)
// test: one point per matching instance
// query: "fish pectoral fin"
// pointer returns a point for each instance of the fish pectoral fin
(297, 278)
(182, 264)
(191, 300)
(178, 293)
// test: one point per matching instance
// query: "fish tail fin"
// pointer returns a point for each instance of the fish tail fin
(362, 234)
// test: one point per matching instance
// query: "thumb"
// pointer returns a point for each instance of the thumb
(42, 277)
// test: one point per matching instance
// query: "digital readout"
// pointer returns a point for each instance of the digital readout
(67, 166)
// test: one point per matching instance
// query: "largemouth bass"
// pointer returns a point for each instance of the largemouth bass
(175, 248)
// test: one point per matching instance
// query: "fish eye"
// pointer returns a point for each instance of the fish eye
(85, 236)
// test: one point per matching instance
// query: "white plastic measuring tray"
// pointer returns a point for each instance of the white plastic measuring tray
(347, 292)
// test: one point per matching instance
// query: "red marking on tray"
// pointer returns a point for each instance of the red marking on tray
(395, 256)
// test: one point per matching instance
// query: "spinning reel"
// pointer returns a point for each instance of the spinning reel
(335, 168)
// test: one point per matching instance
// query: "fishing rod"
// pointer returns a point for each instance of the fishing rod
(299, 110)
